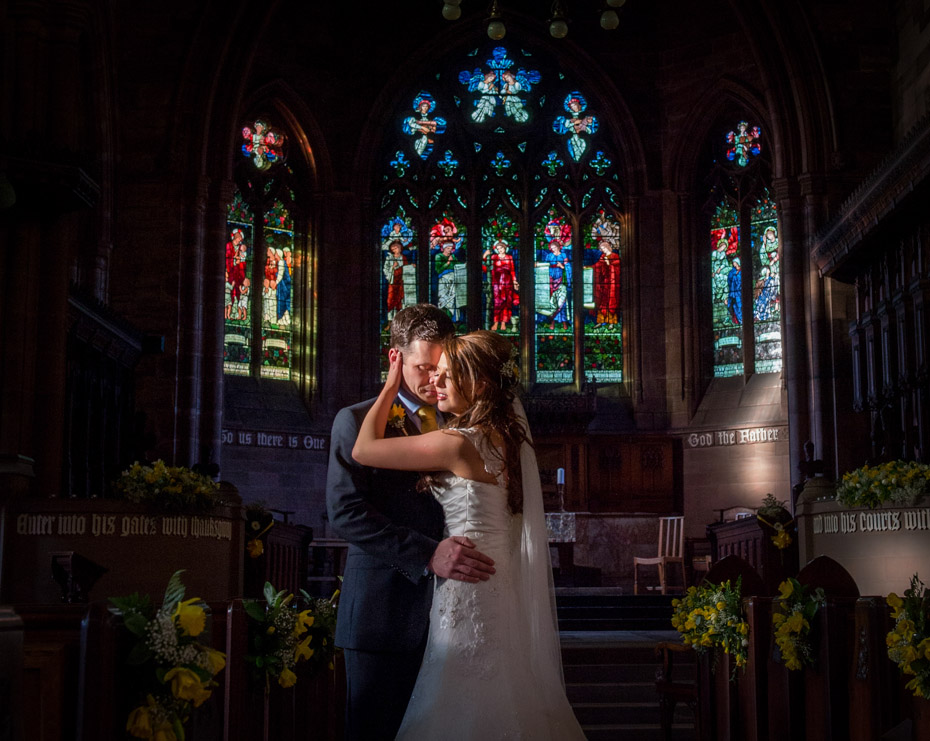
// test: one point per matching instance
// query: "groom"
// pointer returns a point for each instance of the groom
(395, 541)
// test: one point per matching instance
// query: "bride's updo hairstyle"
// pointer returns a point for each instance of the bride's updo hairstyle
(483, 369)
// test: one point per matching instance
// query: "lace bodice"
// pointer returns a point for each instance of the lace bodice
(476, 683)
(477, 509)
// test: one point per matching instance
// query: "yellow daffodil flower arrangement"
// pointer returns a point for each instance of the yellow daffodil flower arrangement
(898, 482)
(794, 612)
(167, 487)
(173, 669)
(909, 641)
(710, 616)
(285, 630)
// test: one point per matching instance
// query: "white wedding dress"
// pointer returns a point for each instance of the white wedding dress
(492, 667)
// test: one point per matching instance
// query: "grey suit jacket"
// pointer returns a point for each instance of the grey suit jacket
(392, 531)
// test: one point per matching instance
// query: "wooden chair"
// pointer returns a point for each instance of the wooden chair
(671, 551)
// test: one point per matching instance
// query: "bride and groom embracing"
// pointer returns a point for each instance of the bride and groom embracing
(447, 614)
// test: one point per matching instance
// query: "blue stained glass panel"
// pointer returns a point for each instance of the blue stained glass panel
(766, 308)
(423, 127)
(277, 292)
(448, 273)
(398, 249)
(576, 125)
(554, 324)
(726, 292)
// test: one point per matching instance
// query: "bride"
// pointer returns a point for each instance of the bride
(492, 667)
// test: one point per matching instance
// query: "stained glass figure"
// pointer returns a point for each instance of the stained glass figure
(603, 327)
(277, 292)
(555, 349)
(449, 275)
(726, 291)
(423, 128)
(263, 144)
(399, 259)
(500, 238)
(744, 143)
(575, 124)
(498, 85)
(766, 307)
(237, 350)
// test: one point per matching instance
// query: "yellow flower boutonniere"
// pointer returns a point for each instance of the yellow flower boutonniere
(397, 416)
(782, 538)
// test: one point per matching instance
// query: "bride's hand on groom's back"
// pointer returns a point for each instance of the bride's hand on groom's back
(456, 558)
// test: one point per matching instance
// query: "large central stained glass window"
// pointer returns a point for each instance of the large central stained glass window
(499, 202)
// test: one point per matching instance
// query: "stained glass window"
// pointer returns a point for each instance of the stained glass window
(501, 148)
(277, 304)
(745, 265)
(726, 292)
(449, 274)
(500, 238)
(603, 321)
(766, 307)
(237, 352)
(261, 259)
(555, 356)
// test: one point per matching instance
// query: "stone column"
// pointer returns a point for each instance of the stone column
(796, 348)
(211, 422)
(191, 318)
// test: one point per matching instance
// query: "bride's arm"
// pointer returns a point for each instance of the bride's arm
(432, 451)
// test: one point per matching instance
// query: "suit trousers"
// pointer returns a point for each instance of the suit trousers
(378, 688)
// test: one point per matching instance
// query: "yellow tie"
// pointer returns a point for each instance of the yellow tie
(427, 415)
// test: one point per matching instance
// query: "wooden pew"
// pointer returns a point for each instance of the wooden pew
(826, 683)
(724, 706)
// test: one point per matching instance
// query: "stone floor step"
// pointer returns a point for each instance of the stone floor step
(607, 692)
(636, 732)
(608, 673)
(594, 714)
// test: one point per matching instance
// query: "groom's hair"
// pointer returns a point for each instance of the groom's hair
(420, 322)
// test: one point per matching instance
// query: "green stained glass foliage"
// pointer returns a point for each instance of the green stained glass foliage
(398, 246)
(277, 292)
(766, 307)
(237, 311)
(449, 273)
(603, 321)
(726, 292)
(500, 240)
(554, 325)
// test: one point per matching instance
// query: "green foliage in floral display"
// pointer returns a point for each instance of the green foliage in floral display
(712, 616)
(169, 669)
(897, 482)
(794, 612)
(167, 487)
(909, 641)
(286, 629)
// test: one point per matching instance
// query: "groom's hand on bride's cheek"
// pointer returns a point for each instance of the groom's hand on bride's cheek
(456, 558)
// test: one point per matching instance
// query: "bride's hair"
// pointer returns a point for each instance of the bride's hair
(482, 367)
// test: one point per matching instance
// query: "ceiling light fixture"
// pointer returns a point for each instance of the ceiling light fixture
(558, 20)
